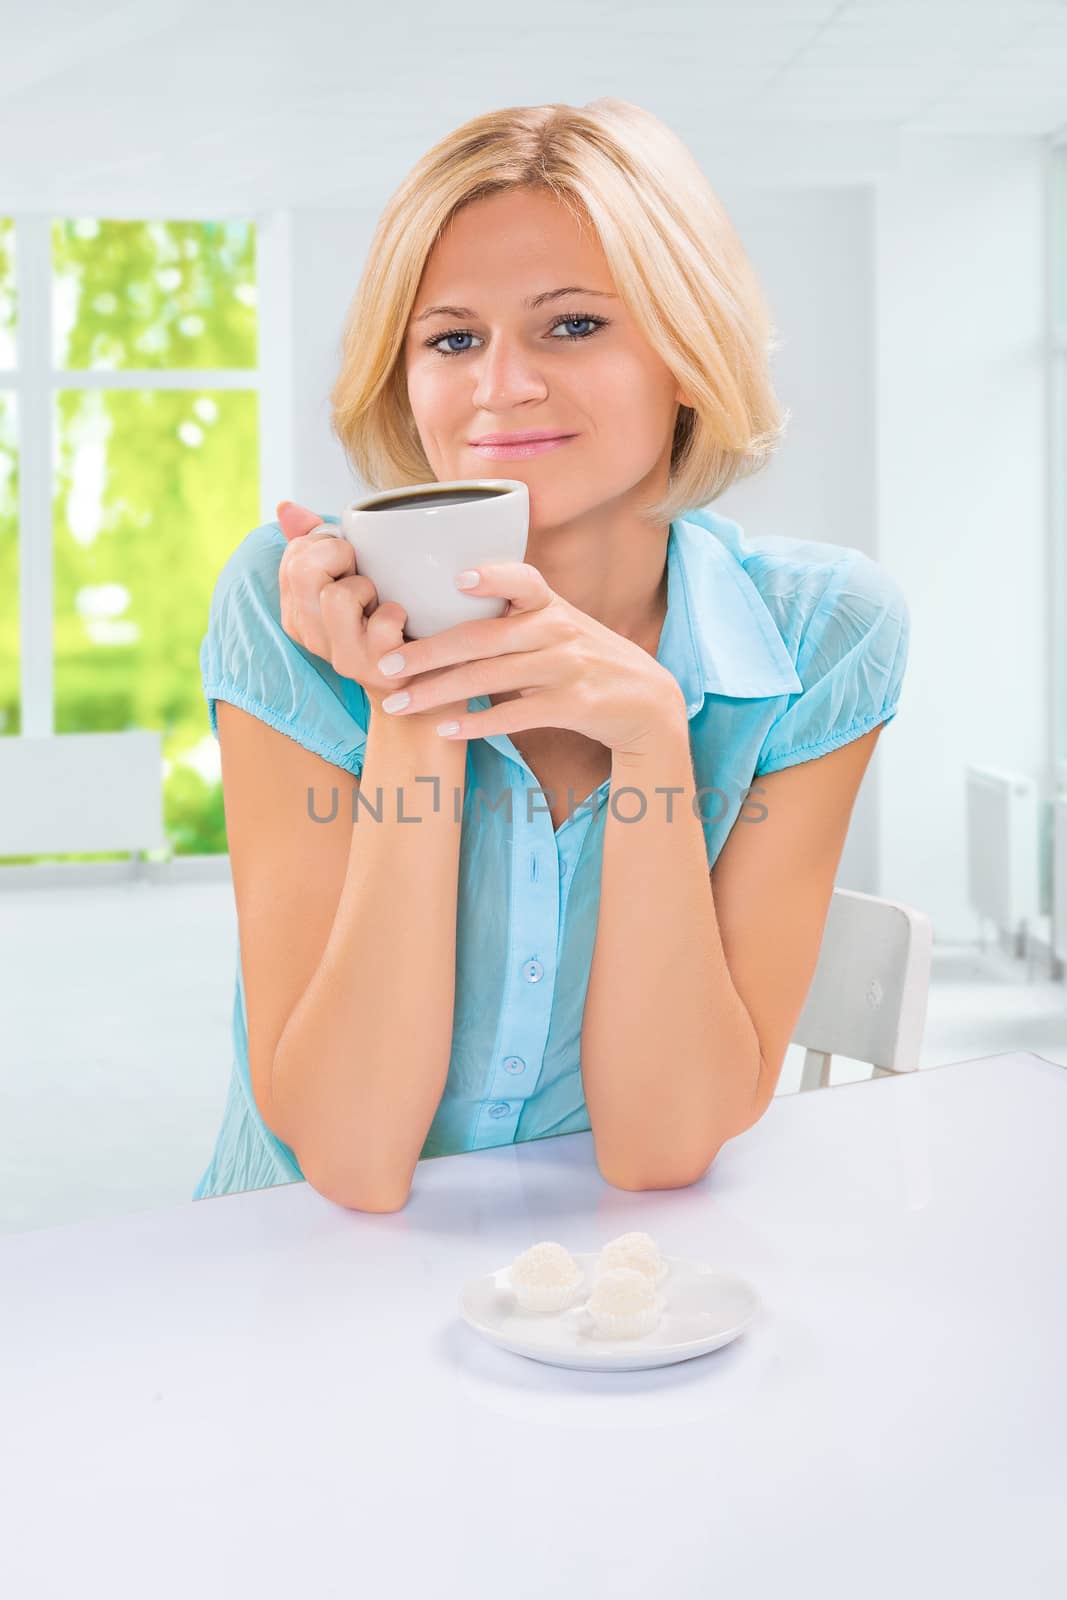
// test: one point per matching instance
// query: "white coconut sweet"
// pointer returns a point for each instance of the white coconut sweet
(639, 1251)
(624, 1304)
(545, 1277)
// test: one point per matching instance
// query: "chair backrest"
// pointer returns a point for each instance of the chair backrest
(867, 999)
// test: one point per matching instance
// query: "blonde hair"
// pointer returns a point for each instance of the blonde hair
(675, 258)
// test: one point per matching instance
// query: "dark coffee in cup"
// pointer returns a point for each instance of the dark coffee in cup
(433, 497)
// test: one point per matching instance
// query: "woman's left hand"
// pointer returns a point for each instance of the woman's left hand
(568, 670)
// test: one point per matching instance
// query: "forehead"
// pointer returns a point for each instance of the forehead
(511, 245)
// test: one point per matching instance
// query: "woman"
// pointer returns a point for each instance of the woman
(628, 954)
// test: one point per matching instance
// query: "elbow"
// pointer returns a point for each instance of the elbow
(344, 1178)
(659, 1175)
(377, 1202)
(358, 1193)
(641, 1178)
(364, 1199)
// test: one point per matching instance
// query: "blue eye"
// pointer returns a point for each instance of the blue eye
(465, 333)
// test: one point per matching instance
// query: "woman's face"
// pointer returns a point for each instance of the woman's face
(575, 364)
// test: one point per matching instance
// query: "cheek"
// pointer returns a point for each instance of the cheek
(632, 396)
(429, 391)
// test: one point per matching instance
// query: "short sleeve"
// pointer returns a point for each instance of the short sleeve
(248, 659)
(851, 663)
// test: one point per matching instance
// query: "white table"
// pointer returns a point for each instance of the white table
(266, 1394)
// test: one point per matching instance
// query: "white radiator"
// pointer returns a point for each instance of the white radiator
(1003, 849)
(74, 793)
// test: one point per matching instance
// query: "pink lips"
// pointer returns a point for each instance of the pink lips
(519, 448)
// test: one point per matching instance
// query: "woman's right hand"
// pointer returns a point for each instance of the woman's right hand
(332, 610)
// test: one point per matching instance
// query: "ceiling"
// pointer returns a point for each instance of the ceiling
(195, 107)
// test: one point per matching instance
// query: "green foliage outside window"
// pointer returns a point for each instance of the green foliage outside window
(153, 488)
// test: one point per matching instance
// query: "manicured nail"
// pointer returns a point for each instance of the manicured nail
(396, 702)
(467, 580)
(283, 503)
(445, 728)
(391, 664)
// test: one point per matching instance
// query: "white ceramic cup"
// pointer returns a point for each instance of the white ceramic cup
(411, 542)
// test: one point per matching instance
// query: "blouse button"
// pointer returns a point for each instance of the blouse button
(563, 869)
(514, 1064)
(533, 971)
(501, 1109)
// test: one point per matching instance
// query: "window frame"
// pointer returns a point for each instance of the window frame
(34, 381)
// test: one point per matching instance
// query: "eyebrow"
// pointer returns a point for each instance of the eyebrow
(531, 304)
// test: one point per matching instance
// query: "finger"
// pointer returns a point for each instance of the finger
(295, 521)
(385, 634)
(500, 676)
(517, 581)
(352, 597)
(467, 641)
(341, 624)
(513, 716)
(305, 573)
(360, 636)
(306, 568)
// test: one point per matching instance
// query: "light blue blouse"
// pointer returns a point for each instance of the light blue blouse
(784, 648)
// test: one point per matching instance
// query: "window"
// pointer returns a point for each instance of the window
(129, 468)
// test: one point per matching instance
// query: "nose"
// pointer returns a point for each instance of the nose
(507, 376)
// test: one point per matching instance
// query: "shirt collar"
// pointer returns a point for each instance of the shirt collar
(718, 636)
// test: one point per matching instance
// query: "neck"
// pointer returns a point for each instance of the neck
(612, 568)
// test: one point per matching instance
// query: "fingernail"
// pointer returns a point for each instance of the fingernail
(467, 580)
(391, 664)
(446, 728)
(396, 702)
(282, 504)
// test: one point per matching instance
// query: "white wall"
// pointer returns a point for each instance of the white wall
(961, 493)
(308, 265)
(813, 249)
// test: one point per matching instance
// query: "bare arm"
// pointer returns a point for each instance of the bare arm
(670, 1055)
(348, 936)
(360, 1067)
(712, 976)
(347, 926)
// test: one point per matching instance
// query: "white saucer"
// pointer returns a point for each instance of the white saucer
(703, 1308)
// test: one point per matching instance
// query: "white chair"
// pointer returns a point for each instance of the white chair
(867, 999)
